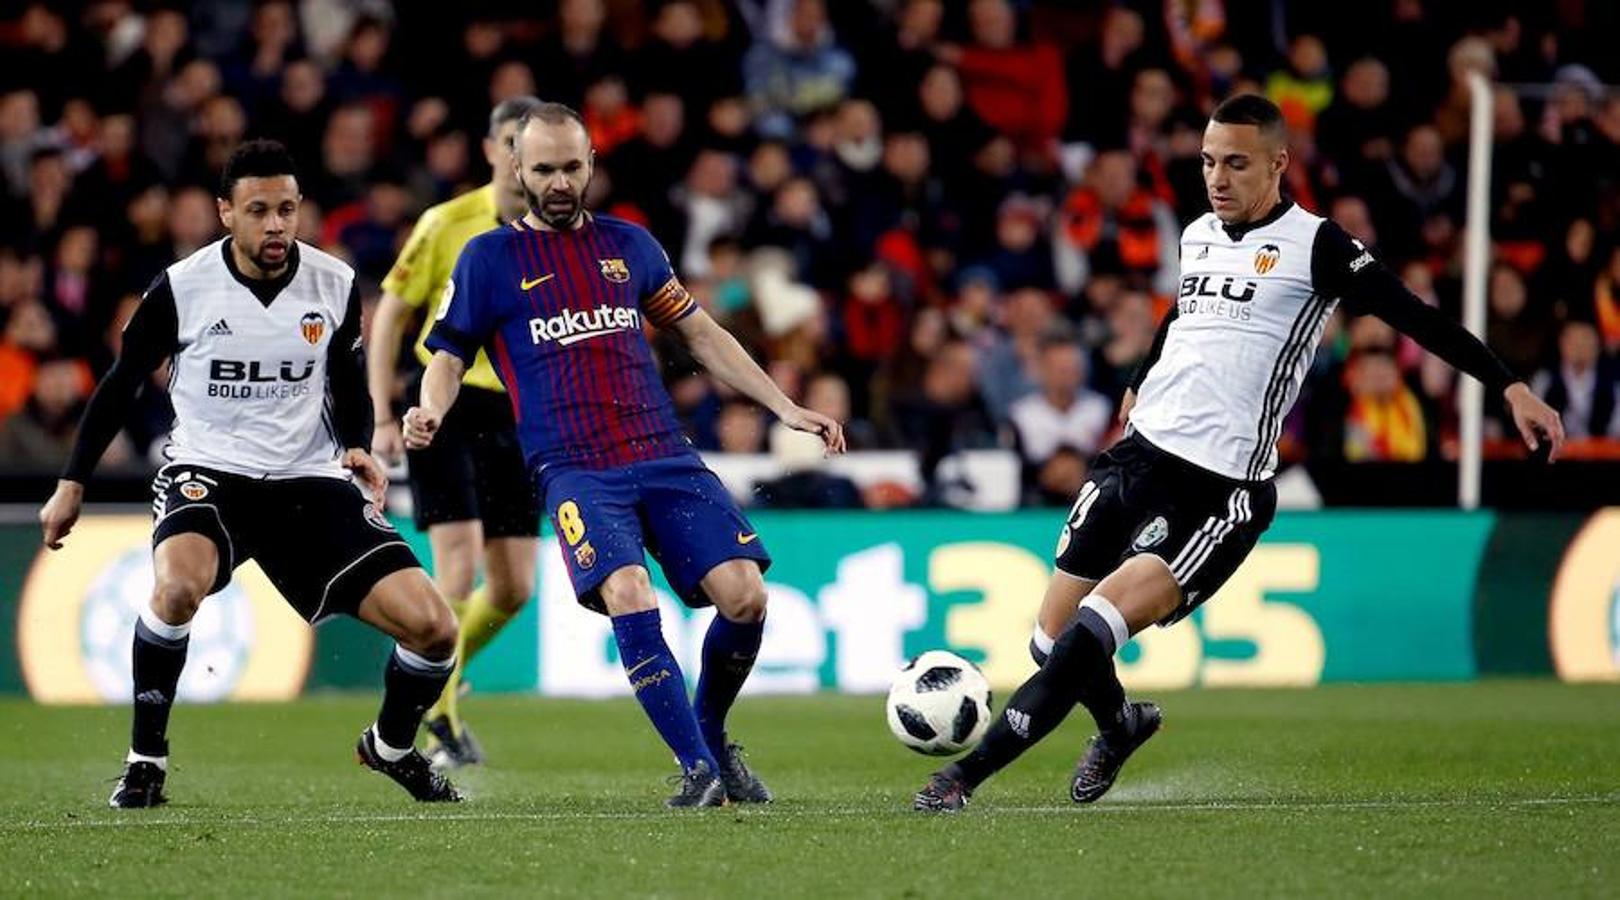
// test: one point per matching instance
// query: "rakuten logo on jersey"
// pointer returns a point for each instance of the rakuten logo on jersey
(577, 325)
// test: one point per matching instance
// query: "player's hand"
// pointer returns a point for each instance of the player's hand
(1125, 404)
(59, 514)
(1535, 420)
(420, 427)
(388, 442)
(831, 433)
(369, 471)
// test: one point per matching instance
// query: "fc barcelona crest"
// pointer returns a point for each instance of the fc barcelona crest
(313, 327)
(585, 555)
(615, 270)
(1265, 259)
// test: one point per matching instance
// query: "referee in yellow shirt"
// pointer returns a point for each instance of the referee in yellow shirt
(471, 489)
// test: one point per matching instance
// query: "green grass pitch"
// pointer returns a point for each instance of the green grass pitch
(1499, 788)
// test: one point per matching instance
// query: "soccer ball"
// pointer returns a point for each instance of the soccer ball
(939, 704)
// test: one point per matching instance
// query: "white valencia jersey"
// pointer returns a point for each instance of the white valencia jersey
(248, 378)
(1248, 318)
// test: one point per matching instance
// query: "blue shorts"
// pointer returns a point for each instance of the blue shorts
(674, 508)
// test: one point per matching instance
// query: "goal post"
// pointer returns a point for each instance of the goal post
(1476, 267)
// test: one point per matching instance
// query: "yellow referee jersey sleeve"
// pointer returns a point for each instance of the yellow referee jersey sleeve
(424, 266)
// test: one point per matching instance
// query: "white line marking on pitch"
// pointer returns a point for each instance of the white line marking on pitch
(1114, 808)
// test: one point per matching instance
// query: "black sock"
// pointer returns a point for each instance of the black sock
(410, 685)
(155, 661)
(1097, 681)
(1080, 670)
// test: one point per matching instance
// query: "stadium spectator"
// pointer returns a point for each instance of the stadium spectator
(1304, 87)
(706, 67)
(1100, 82)
(40, 436)
(945, 413)
(1062, 415)
(1419, 185)
(1582, 386)
(1606, 301)
(710, 204)
(1112, 224)
(579, 53)
(1384, 421)
(1017, 87)
(1007, 372)
(796, 69)
(1356, 128)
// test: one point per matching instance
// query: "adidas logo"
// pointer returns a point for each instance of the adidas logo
(153, 696)
(219, 328)
(1202, 254)
(1019, 721)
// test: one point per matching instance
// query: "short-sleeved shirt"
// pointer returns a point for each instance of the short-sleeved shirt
(561, 315)
(423, 268)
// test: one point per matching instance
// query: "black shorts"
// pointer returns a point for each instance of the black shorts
(474, 470)
(1142, 500)
(320, 541)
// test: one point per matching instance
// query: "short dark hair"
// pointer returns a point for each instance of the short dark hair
(512, 109)
(552, 114)
(258, 158)
(1250, 109)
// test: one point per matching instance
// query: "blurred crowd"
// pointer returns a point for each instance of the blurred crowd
(954, 224)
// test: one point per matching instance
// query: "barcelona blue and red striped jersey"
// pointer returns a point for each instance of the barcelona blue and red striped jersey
(560, 313)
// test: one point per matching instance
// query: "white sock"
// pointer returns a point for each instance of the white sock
(1043, 641)
(1110, 614)
(163, 629)
(420, 663)
(161, 762)
(389, 754)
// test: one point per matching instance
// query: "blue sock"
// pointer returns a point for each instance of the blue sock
(656, 679)
(729, 650)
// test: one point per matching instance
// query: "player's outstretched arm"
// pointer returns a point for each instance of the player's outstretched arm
(441, 384)
(149, 338)
(1342, 267)
(718, 352)
(382, 356)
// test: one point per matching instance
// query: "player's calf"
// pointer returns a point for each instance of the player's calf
(658, 683)
(729, 651)
(157, 657)
(405, 605)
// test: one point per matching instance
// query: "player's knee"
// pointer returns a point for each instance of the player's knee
(435, 632)
(747, 604)
(738, 591)
(175, 598)
(628, 590)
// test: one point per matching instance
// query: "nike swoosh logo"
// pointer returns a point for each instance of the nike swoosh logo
(528, 283)
(639, 666)
(747, 538)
